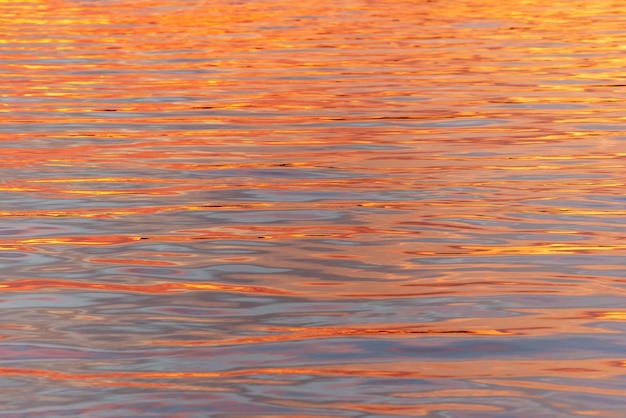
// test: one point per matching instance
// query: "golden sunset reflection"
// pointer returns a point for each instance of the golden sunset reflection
(312, 208)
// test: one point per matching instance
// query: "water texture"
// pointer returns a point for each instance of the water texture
(313, 208)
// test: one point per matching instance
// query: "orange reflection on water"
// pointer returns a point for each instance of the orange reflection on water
(400, 207)
(161, 288)
(614, 316)
(312, 333)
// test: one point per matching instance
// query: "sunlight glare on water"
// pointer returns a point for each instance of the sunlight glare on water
(269, 208)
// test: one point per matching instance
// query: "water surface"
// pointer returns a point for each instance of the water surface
(268, 208)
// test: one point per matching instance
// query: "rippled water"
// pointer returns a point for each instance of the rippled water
(269, 208)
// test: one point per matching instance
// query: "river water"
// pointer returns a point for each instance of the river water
(353, 208)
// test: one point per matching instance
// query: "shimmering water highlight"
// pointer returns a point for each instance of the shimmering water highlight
(265, 208)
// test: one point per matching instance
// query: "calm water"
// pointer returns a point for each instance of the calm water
(313, 208)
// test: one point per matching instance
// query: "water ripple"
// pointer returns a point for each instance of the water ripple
(346, 209)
